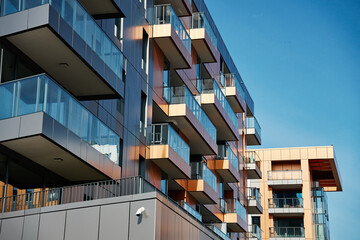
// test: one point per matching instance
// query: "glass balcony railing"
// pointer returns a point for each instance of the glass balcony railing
(284, 175)
(199, 20)
(164, 14)
(199, 170)
(232, 205)
(254, 194)
(81, 22)
(164, 134)
(211, 86)
(225, 152)
(220, 233)
(255, 232)
(42, 94)
(230, 80)
(252, 157)
(182, 95)
(286, 203)
(190, 210)
(287, 232)
(251, 122)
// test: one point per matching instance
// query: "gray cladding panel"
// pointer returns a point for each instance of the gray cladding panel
(31, 226)
(114, 221)
(142, 227)
(11, 228)
(52, 226)
(82, 223)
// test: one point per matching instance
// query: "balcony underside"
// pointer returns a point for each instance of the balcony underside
(287, 212)
(170, 162)
(202, 192)
(285, 184)
(171, 45)
(200, 141)
(252, 137)
(218, 116)
(236, 102)
(254, 207)
(181, 7)
(52, 44)
(44, 141)
(205, 49)
(253, 171)
(107, 7)
(235, 223)
(211, 214)
(227, 171)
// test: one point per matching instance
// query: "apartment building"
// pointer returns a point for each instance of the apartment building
(122, 119)
(293, 192)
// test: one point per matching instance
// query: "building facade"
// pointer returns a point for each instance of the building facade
(293, 192)
(124, 111)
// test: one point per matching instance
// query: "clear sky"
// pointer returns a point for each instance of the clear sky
(300, 60)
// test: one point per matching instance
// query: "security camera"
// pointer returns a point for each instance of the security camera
(140, 211)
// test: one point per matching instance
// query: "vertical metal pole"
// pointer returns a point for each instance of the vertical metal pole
(6, 184)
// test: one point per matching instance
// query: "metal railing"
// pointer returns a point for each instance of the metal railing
(286, 203)
(74, 14)
(225, 152)
(252, 157)
(254, 231)
(76, 193)
(199, 20)
(40, 93)
(199, 170)
(287, 232)
(182, 95)
(230, 80)
(211, 86)
(284, 175)
(254, 194)
(190, 210)
(163, 134)
(164, 14)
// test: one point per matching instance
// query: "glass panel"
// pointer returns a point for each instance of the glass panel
(199, 170)
(199, 20)
(41, 93)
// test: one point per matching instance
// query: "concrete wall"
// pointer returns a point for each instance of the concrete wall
(112, 218)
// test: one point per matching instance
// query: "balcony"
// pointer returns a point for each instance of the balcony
(65, 41)
(220, 233)
(190, 210)
(253, 131)
(203, 38)
(253, 165)
(187, 114)
(44, 123)
(169, 151)
(254, 232)
(172, 37)
(254, 201)
(234, 215)
(202, 185)
(227, 164)
(288, 179)
(218, 109)
(181, 7)
(107, 8)
(287, 233)
(235, 94)
(286, 207)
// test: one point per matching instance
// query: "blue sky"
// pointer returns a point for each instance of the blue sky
(300, 60)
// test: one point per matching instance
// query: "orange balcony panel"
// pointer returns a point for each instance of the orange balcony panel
(202, 192)
(236, 102)
(219, 117)
(171, 45)
(235, 223)
(201, 41)
(169, 161)
(227, 171)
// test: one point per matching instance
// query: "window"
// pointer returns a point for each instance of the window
(145, 51)
(141, 166)
(120, 106)
(198, 74)
(143, 114)
(121, 152)
(166, 81)
(164, 182)
(255, 221)
(118, 30)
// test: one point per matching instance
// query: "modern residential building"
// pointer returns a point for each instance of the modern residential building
(122, 119)
(293, 192)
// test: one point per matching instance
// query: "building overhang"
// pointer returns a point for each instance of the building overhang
(201, 41)
(236, 102)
